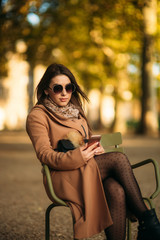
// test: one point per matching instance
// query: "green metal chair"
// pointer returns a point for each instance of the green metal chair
(110, 142)
(57, 202)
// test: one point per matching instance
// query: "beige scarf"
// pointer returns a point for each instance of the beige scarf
(69, 111)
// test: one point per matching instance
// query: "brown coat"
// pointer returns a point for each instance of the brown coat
(75, 181)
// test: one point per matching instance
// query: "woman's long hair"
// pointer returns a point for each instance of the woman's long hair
(58, 69)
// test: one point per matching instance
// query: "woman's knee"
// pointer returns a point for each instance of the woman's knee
(122, 158)
(120, 193)
(114, 190)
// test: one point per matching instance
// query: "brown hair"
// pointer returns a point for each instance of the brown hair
(58, 69)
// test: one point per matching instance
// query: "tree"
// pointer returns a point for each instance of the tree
(94, 39)
(149, 114)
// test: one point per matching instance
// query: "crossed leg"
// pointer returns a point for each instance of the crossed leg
(116, 199)
(120, 186)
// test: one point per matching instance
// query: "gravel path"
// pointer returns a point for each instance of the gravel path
(23, 200)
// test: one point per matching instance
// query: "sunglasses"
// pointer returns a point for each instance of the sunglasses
(70, 88)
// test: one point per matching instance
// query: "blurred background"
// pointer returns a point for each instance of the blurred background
(112, 47)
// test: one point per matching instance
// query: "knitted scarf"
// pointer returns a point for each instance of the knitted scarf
(69, 111)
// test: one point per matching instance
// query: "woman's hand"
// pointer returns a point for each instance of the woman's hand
(100, 150)
(91, 151)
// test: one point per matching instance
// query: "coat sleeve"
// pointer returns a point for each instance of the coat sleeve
(38, 129)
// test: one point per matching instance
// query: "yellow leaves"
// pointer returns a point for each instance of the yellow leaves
(26, 31)
(77, 54)
(58, 54)
(47, 39)
(29, 4)
(121, 60)
(42, 48)
(24, 8)
(108, 52)
(96, 36)
(93, 69)
(6, 25)
(74, 19)
(21, 46)
(112, 24)
(158, 77)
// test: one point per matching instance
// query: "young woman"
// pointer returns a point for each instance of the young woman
(98, 187)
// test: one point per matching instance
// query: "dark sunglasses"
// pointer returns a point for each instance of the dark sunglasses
(70, 88)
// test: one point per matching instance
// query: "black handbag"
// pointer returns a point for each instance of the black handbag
(65, 145)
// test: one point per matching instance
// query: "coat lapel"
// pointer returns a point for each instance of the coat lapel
(69, 122)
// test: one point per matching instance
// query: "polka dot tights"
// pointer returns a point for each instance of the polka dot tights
(121, 190)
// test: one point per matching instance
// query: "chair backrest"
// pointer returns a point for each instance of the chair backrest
(111, 142)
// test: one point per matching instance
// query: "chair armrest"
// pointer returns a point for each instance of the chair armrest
(57, 200)
(157, 174)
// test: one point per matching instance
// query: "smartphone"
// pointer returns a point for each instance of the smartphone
(93, 139)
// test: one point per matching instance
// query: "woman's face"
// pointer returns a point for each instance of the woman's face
(63, 98)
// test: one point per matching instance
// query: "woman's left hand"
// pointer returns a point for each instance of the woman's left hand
(99, 150)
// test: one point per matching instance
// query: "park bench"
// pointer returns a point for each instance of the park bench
(110, 142)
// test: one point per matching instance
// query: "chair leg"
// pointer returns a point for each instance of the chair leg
(47, 221)
(128, 229)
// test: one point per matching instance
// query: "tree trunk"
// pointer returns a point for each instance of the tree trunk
(149, 116)
(99, 122)
(113, 126)
(30, 87)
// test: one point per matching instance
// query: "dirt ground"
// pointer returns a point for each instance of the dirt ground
(22, 197)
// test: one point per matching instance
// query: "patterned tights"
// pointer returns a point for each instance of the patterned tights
(121, 189)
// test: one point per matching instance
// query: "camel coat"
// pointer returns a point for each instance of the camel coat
(76, 182)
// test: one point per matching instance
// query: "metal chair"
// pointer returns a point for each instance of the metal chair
(110, 142)
(57, 202)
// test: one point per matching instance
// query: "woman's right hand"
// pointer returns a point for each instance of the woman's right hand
(89, 152)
